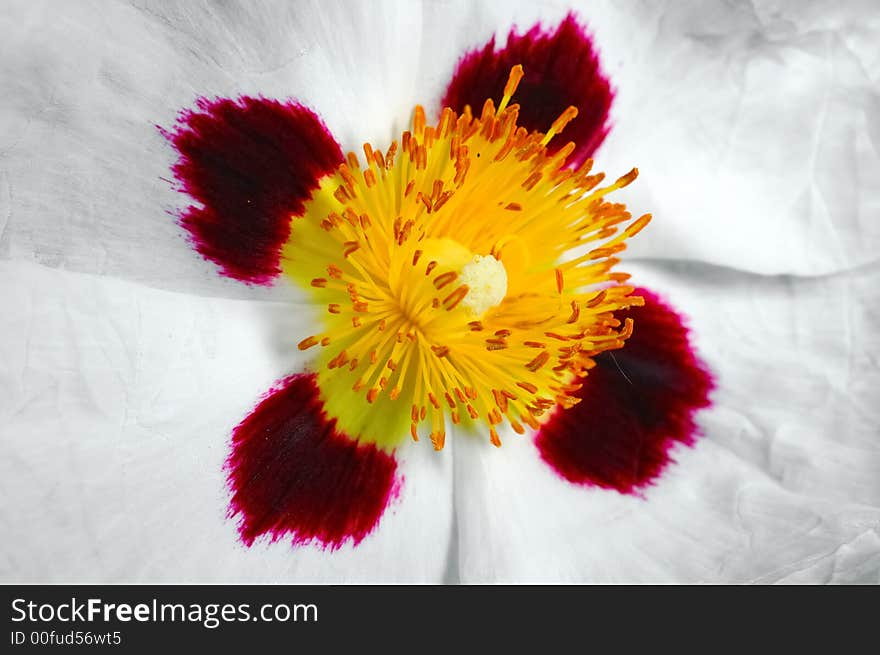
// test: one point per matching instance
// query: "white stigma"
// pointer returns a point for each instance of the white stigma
(486, 278)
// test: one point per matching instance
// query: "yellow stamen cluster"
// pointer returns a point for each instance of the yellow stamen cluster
(391, 246)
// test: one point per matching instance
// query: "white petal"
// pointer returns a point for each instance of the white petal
(755, 127)
(117, 405)
(783, 487)
(84, 86)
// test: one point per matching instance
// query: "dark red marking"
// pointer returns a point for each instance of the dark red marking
(561, 69)
(292, 473)
(249, 163)
(636, 404)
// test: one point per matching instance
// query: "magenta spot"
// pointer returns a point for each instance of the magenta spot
(561, 70)
(250, 164)
(292, 473)
(635, 405)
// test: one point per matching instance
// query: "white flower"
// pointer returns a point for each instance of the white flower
(126, 359)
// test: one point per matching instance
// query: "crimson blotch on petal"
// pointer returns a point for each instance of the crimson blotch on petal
(250, 164)
(292, 473)
(636, 404)
(561, 70)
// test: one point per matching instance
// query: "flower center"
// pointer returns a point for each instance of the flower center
(486, 279)
(464, 275)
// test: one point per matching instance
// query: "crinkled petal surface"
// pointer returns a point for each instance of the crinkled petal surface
(784, 486)
(86, 85)
(758, 120)
(118, 403)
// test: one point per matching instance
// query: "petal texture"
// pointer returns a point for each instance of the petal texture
(757, 121)
(782, 487)
(83, 164)
(117, 402)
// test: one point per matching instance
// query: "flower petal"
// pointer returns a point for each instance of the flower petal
(118, 402)
(635, 405)
(756, 130)
(782, 487)
(251, 164)
(561, 70)
(292, 472)
(83, 162)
